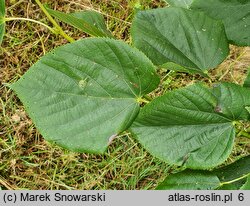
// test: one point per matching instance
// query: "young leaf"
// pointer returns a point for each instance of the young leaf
(235, 15)
(2, 22)
(194, 40)
(180, 3)
(82, 94)
(247, 80)
(194, 125)
(190, 180)
(90, 22)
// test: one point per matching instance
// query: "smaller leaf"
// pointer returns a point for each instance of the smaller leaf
(247, 80)
(190, 180)
(89, 22)
(180, 3)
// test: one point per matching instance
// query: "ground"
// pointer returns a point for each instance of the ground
(27, 161)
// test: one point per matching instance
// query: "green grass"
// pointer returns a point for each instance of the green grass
(27, 161)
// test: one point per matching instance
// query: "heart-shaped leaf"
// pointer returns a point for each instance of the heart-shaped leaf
(90, 22)
(230, 177)
(194, 125)
(235, 15)
(190, 180)
(180, 3)
(188, 38)
(83, 94)
(2, 22)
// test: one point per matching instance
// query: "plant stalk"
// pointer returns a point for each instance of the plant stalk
(31, 20)
(60, 30)
(235, 180)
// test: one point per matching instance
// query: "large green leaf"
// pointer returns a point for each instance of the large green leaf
(180, 3)
(188, 38)
(190, 180)
(235, 15)
(194, 125)
(90, 22)
(2, 22)
(247, 80)
(230, 177)
(83, 94)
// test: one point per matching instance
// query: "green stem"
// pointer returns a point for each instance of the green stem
(235, 180)
(60, 30)
(31, 20)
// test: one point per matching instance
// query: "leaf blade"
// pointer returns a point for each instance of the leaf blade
(192, 126)
(79, 102)
(185, 42)
(87, 21)
(237, 24)
(190, 180)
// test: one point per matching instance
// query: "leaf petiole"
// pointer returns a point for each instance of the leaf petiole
(59, 29)
(235, 180)
(31, 20)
